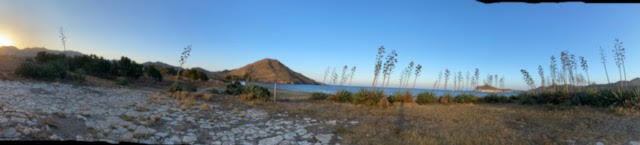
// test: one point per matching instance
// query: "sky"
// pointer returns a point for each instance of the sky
(310, 35)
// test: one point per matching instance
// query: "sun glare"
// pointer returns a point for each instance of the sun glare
(5, 41)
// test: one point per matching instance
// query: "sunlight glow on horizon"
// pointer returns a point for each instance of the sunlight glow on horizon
(5, 41)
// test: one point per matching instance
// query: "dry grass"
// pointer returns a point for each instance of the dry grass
(471, 123)
(48, 122)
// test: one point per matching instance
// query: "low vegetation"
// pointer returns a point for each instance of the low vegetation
(426, 98)
(51, 67)
(248, 92)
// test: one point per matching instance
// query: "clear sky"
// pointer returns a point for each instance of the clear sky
(311, 35)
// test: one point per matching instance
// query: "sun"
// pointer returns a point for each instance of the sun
(5, 41)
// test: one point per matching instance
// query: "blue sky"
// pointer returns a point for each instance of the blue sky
(309, 36)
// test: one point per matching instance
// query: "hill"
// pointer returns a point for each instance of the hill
(31, 52)
(267, 71)
(160, 64)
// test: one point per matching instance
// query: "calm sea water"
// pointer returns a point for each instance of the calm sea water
(331, 89)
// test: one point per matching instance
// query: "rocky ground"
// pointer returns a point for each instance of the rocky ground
(53, 111)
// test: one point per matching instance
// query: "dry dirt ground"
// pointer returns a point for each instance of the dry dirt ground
(471, 124)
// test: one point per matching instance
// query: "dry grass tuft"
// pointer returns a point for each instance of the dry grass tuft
(207, 97)
(204, 107)
(48, 122)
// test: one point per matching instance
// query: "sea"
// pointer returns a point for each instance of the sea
(331, 89)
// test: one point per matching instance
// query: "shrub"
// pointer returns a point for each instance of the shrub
(255, 92)
(405, 97)
(426, 98)
(367, 97)
(495, 98)
(122, 81)
(195, 74)
(47, 71)
(445, 99)
(234, 88)
(153, 73)
(466, 98)
(343, 96)
(319, 96)
(526, 98)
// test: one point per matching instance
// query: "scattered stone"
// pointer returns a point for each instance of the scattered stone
(332, 122)
(290, 136)
(599, 143)
(189, 138)
(634, 143)
(301, 131)
(324, 138)
(271, 141)
(126, 137)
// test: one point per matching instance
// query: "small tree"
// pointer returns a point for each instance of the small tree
(418, 70)
(63, 39)
(566, 66)
(183, 58)
(603, 58)
(436, 84)
(554, 70)
(378, 66)
(619, 52)
(528, 79)
(447, 73)
(343, 77)
(585, 68)
(476, 77)
(408, 74)
(353, 71)
(541, 73)
(153, 73)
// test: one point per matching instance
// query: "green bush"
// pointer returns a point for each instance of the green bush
(466, 98)
(55, 66)
(319, 96)
(46, 72)
(495, 98)
(195, 74)
(367, 97)
(255, 92)
(343, 96)
(122, 81)
(153, 73)
(234, 88)
(426, 98)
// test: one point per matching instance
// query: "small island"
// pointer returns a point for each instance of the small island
(486, 88)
